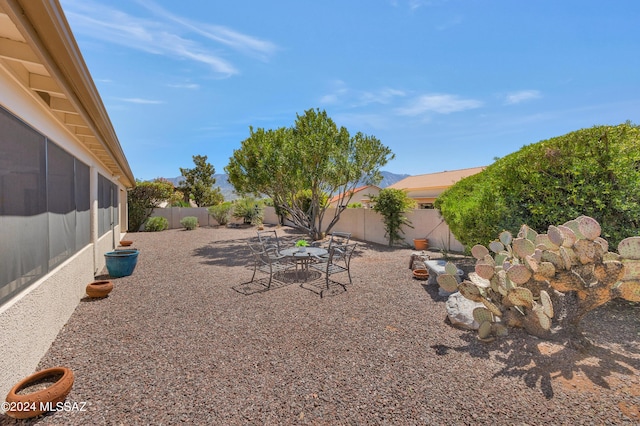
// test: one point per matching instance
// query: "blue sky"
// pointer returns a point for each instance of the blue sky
(446, 84)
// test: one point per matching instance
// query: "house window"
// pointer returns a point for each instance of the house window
(44, 205)
(107, 205)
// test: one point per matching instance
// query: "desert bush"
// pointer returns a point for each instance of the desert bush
(221, 212)
(157, 223)
(189, 222)
(593, 172)
(392, 204)
(249, 209)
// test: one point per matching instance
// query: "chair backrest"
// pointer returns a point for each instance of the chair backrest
(339, 238)
(269, 238)
(341, 254)
(263, 255)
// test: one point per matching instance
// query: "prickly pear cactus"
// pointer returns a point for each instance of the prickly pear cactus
(524, 281)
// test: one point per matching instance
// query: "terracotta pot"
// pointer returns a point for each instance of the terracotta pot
(98, 289)
(126, 243)
(420, 274)
(421, 243)
(35, 403)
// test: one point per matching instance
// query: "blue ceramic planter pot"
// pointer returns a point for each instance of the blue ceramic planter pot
(121, 263)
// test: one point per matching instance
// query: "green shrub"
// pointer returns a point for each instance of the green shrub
(189, 222)
(354, 206)
(156, 223)
(392, 204)
(593, 172)
(221, 212)
(249, 209)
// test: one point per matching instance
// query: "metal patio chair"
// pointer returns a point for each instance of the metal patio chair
(338, 260)
(268, 261)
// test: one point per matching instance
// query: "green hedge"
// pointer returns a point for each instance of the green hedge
(593, 172)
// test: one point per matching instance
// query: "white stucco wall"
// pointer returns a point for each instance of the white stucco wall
(30, 322)
(367, 225)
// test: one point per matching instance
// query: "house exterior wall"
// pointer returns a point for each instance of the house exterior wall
(30, 321)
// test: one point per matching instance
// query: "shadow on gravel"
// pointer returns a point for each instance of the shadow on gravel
(225, 253)
(538, 362)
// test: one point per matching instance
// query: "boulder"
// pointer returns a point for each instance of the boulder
(460, 311)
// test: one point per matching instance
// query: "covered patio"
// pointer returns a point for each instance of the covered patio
(186, 339)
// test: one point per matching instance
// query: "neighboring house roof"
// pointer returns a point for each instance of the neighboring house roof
(38, 50)
(352, 192)
(435, 180)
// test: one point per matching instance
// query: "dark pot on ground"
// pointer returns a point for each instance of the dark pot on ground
(121, 263)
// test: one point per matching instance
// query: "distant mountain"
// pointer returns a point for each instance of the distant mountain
(229, 194)
(389, 178)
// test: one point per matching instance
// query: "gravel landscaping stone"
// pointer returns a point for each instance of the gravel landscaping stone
(185, 339)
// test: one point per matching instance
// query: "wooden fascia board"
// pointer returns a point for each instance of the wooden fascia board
(60, 54)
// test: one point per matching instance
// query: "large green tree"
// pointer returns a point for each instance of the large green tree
(298, 167)
(143, 198)
(593, 172)
(198, 183)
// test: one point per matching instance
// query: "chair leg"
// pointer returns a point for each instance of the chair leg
(255, 267)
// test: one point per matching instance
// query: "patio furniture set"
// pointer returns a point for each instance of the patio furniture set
(272, 259)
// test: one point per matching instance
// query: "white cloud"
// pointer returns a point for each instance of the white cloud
(438, 103)
(141, 101)
(163, 34)
(190, 86)
(341, 93)
(521, 96)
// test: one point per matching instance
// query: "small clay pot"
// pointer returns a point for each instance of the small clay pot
(126, 243)
(421, 243)
(420, 274)
(98, 289)
(35, 403)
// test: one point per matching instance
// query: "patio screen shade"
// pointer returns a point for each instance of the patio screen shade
(44, 205)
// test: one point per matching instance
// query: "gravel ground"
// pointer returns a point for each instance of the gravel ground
(185, 339)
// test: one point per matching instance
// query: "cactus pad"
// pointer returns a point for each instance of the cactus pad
(505, 237)
(543, 319)
(449, 283)
(555, 235)
(496, 246)
(482, 314)
(519, 274)
(479, 251)
(450, 269)
(523, 247)
(569, 236)
(589, 227)
(547, 306)
(543, 242)
(485, 271)
(492, 307)
(631, 270)
(545, 270)
(629, 248)
(629, 290)
(587, 251)
(520, 296)
(485, 330)
(470, 291)
(575, 227)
